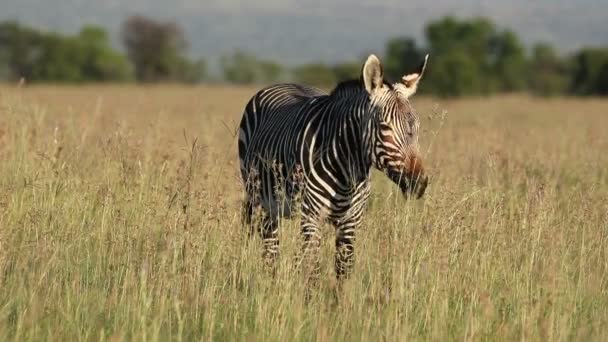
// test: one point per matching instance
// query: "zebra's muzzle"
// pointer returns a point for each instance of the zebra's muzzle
(410, 185)
(420, 186)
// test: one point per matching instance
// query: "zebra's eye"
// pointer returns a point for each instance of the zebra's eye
(384, 126)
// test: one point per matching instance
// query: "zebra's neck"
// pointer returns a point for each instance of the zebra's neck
(354, 129)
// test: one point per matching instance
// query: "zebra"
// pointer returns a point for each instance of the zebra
(320, 148)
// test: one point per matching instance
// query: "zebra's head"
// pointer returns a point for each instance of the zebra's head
(396, 125)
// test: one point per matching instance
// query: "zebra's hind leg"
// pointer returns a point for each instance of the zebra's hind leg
(247, 217)
(256, 219)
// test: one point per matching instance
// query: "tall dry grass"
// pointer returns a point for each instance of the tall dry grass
(119, 219)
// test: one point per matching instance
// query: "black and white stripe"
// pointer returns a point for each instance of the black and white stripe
(296, 140)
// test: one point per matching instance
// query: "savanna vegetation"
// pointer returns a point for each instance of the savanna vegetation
(119, 220)
(470, 57)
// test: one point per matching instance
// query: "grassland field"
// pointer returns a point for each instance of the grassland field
(120, 220)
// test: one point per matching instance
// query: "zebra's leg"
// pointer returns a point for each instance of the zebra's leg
(345, 249)
(309, 258)
(269, 232)
(247, 219)
(252, 213)
(256, 218)
(346, 227)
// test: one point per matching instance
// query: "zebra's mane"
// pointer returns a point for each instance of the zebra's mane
(353, 85)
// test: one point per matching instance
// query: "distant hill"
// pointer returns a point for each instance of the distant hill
(297, 31)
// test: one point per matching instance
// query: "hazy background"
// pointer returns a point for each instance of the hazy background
(547, 47)
(301, 31)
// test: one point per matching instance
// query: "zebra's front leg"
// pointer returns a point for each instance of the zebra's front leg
(346, 227)
(345, 249)
(269, 231)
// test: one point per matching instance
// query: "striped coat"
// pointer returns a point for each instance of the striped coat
(299, 143)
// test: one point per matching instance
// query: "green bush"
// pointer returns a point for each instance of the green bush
(49, 57)
(590, 72)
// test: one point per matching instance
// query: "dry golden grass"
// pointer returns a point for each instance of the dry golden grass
(119, 219)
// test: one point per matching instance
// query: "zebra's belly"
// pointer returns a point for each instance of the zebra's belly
(272, 177)
(280, 207)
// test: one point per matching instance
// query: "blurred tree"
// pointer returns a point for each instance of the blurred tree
(400, 56)
(491, 60)
(454, 74)
(461, 51)
(60, 59)
(589, 75)
(101, 62)
(269, 71)
(239, 67)
(41, 56)
(315, 74)
(508, 62)
(346, 71)
(473, 36)
(602, 81)
(243, 67)
(19, 50)
(156, 50)
(548, 74)
(188, 71)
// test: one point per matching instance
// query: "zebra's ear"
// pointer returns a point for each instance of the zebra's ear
(372, 74)
(410, 81)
